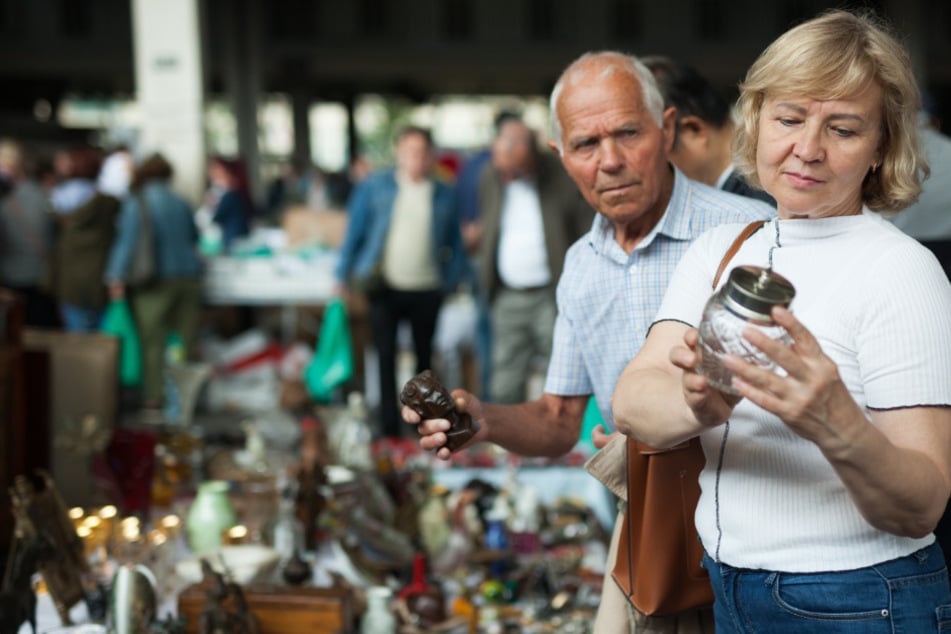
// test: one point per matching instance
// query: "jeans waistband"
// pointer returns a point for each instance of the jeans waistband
(910, 563)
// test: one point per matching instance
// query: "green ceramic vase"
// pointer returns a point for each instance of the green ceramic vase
(209, 516)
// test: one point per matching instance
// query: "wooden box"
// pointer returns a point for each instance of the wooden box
(82, 380)
(280, 609)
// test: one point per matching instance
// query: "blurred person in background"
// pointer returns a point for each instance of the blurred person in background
(229, 199)
(403, 249)
(929, 219)
(85, 229)
(115, 175)
(704, 134)
(467, 195)
(173, 301)
(26, 234)
(300, 183)
(530, 212)
(77, 169)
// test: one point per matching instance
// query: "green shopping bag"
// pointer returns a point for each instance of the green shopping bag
(118, 321)
(332, 364)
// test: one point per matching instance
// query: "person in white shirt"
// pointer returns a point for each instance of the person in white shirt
(823, 481)
(531, 212)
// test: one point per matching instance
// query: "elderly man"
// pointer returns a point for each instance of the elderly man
(613, 136)
(531, 213)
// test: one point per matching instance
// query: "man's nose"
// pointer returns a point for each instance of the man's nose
(611, 158)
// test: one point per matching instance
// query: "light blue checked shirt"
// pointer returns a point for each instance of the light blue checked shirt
(607, 299)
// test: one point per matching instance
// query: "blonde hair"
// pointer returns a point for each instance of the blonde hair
(836, 56)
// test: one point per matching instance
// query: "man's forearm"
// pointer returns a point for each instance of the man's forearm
(549, 426)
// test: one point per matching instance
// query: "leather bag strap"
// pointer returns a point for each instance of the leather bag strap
(748, 230)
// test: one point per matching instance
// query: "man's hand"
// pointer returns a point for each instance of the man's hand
(432, 431)
(471, 236)
(116, 290)
(600, 437)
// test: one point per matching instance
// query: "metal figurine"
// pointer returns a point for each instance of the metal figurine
(426, 396)
(226, 610)
(42, 521)
(17, 600)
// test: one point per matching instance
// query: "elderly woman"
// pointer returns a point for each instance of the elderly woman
(823, 480)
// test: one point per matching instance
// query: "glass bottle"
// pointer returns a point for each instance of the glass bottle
(379, 618)
(746, 300)
(423, 600)
(287, 532)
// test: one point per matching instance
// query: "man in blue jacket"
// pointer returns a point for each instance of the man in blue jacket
(403, 249)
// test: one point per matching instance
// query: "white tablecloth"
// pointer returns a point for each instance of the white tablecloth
(276, 280)
(551, 482)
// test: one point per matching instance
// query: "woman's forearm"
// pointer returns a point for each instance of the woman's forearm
(649, 405)
(898, 488)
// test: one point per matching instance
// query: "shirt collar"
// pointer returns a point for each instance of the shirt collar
(674, 224)
(725, 176)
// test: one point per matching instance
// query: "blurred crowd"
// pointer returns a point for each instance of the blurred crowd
(465, 247)
(74, 226)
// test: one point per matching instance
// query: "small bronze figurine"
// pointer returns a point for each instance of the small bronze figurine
(17, 600)
(426, 396)
(311, 477)
(226, 610)
(41, 518)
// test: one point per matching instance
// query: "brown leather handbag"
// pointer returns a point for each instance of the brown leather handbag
(659, 553)
(658, 559)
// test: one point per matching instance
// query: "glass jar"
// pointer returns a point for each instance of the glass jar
(746, 300)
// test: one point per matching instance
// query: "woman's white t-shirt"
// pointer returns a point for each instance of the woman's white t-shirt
(880, 306)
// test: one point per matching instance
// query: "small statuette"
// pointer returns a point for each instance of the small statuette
(426, 396)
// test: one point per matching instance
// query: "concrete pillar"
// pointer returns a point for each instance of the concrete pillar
(241, 39)
(300, 106)
(170, 88)
(353, 143)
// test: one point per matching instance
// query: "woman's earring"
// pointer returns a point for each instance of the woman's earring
(874, 167)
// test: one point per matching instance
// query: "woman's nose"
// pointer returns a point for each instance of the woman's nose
(809, 146)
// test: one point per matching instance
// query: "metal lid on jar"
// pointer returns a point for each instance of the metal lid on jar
(752, 291)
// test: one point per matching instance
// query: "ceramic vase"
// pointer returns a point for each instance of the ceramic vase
(379, 618)
(210, 514)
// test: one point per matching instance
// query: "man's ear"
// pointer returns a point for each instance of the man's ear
(692, 125)
(554, 148)
(669, 128)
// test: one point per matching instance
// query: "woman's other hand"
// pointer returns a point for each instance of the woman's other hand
(710, 406)
(811, 398)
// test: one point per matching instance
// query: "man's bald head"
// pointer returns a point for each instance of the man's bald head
(597, 66)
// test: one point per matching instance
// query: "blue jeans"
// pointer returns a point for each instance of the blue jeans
(79, 319)
(906, 595)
